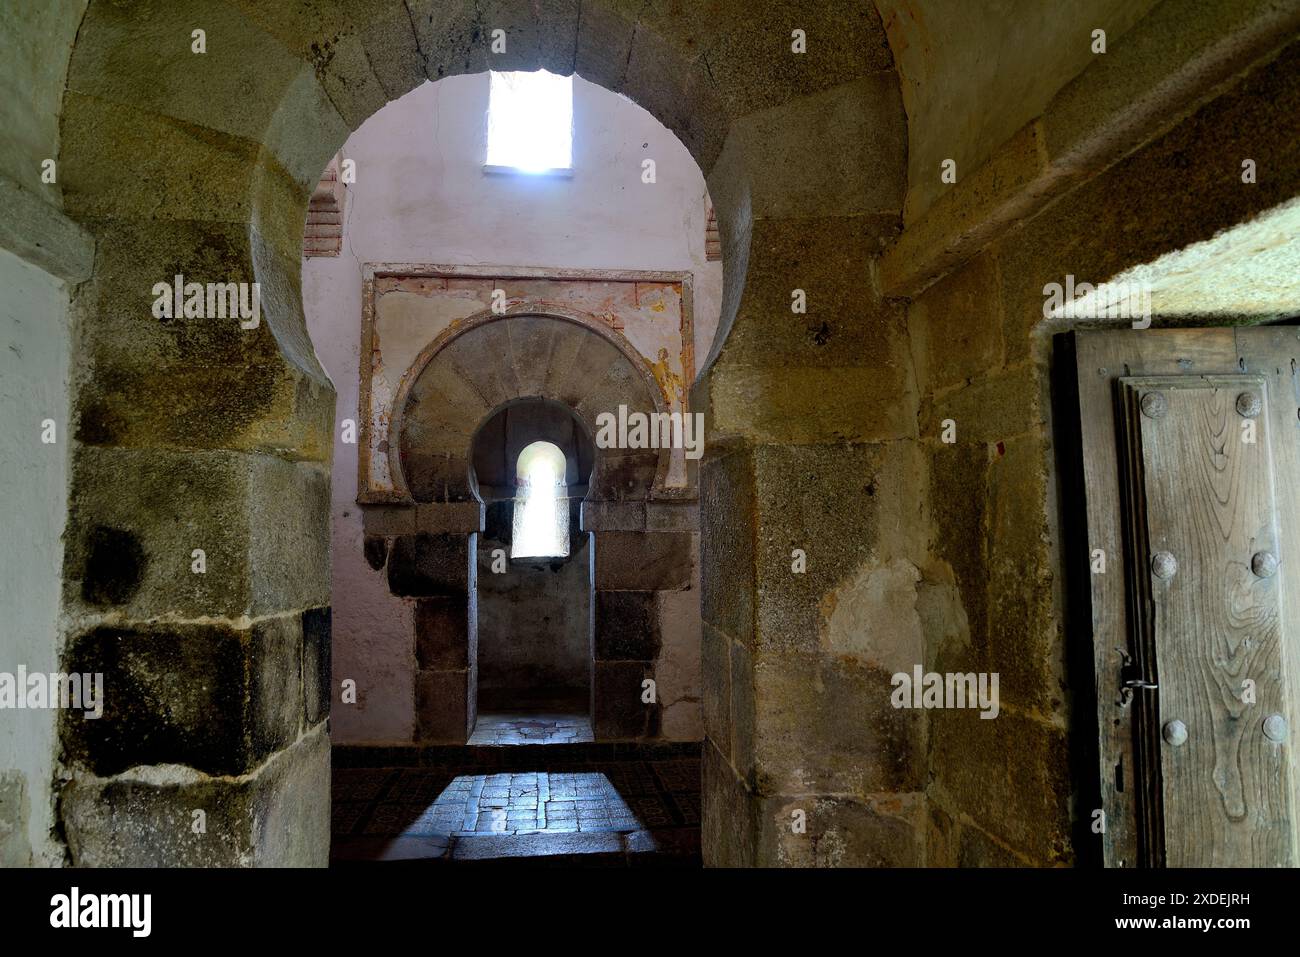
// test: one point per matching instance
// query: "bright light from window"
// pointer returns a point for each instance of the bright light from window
(530, 121)
(541, 521)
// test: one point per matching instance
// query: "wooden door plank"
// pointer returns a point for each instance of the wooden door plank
(1215, 626)
(1102, 357)
(1274, 353)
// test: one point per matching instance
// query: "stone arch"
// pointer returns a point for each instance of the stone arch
(459, 382)
(192, 433)
(556, 424)
(488, 361)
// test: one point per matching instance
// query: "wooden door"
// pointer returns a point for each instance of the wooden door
(1191, 472)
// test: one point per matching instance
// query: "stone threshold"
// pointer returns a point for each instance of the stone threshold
(522, 757)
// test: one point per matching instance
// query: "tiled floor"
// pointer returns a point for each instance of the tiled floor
(612, 808)
(531, 729)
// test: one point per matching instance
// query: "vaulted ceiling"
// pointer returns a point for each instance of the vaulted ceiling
(973, 73)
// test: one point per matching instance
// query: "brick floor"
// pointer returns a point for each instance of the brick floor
(610, 808)
(505, 729)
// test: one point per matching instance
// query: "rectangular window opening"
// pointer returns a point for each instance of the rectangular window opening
(530, 124)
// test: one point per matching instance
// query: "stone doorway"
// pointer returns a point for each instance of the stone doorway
(486, 506)
(534, 577)
(227, 434)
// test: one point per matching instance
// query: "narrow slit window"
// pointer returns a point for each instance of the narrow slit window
(541, 519)
(530, 123)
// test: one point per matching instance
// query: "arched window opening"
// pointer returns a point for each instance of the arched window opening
(541, 519)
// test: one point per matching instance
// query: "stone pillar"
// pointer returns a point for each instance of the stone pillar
(812, 500)
(727, 607)
(198, 579)
(806, 761)
(642, 550)
(197, 568)
(438, 567)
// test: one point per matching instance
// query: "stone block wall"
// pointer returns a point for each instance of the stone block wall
(218, 705)
(999, 789)
(952, 560)
(1013, 790)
